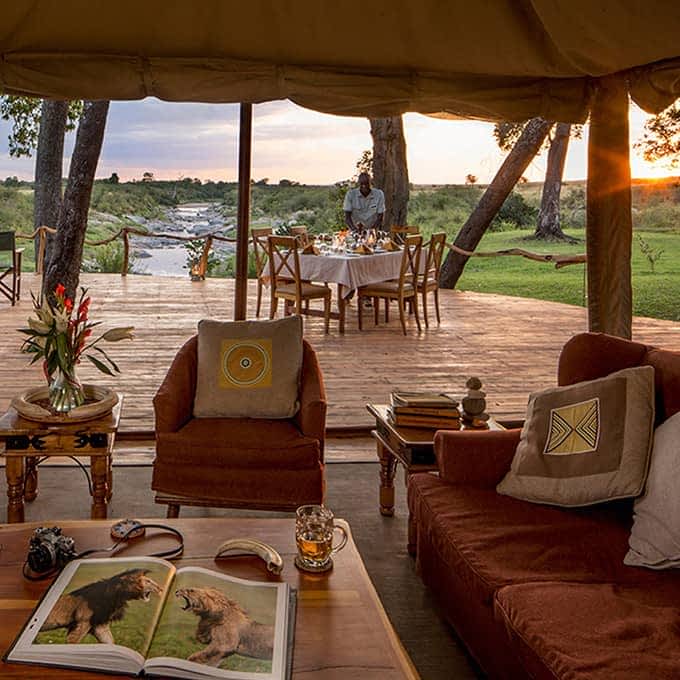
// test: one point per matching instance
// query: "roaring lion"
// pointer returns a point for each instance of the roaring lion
(91, 609)
(225, 627)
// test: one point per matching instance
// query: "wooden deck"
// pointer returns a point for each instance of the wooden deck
(512, 344)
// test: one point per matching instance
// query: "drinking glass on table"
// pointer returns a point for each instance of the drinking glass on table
(314, 530)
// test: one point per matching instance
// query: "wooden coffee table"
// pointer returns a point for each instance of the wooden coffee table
(411, 447)
(341, 629)
(28, 442)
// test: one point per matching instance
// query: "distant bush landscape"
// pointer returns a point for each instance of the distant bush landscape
(655, 251)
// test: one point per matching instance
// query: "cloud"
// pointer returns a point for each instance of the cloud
(201, 140)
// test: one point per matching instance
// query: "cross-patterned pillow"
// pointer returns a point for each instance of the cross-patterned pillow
(585, 443)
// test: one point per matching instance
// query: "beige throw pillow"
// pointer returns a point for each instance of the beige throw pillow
(248, 369)
(655, 536)
(585, 443)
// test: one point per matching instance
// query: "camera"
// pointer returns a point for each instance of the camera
(49, 550)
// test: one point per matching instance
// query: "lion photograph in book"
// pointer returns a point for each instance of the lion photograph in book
(224, 627)
(111, 609)
(218, 624)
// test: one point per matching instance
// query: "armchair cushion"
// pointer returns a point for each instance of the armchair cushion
(248, 368)
(250, 462)
(585, 443)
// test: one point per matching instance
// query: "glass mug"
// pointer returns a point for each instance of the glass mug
(314, 530)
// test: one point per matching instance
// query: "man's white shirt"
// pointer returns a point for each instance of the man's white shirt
(364, 209)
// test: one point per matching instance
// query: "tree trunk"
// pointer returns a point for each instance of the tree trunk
(48, 167)
(390, 169)
(513, 167)
(67, 251)
(548, 226)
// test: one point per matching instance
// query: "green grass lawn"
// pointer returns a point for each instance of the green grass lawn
(655, 294)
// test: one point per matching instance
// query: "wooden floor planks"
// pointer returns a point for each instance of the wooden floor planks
(512, 344)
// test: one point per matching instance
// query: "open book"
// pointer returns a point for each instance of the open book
(142, 616)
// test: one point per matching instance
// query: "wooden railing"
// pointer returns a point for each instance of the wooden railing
(199, 269)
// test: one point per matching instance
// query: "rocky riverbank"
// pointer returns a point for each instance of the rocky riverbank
(164, 256)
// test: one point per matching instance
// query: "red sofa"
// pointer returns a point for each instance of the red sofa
(540, 591)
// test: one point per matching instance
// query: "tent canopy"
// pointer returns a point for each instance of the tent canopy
(501, 60)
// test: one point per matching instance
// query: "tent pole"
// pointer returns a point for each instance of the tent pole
(609, 223)
(243, 215)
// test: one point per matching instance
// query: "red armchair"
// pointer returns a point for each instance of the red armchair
(237, 462)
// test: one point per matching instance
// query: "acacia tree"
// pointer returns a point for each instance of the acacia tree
(390, 168)
(661, 136)
(548, 226)
(67, 252)
(40, 125)
(529, 142)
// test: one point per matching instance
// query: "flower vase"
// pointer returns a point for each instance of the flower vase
(66, 392)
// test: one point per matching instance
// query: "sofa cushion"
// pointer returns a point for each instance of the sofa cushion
(585, 443)
(593, 631)
(248, 368)
(655, 536)
(490, 540)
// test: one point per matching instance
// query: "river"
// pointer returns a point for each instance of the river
(165, 257)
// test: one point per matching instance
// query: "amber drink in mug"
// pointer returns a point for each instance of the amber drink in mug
(314, 531)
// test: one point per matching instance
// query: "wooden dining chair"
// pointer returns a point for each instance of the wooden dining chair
(301, 233)
(403, 290)
(10, 267)
(287, 284)
(398, 232)
(428, 280)
(259, 238)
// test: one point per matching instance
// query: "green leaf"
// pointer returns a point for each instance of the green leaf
(109, 359)
(99, 364)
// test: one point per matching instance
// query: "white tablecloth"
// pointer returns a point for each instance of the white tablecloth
(351, 271)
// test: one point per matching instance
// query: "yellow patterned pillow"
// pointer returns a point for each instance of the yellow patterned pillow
(585, 443)
(248, 369)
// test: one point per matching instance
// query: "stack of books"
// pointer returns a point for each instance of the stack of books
(428, 410)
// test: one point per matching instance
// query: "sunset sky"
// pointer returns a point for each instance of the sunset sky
(200, 140)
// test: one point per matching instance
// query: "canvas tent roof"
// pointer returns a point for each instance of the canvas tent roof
(505, 59)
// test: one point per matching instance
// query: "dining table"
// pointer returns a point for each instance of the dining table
(350, 270)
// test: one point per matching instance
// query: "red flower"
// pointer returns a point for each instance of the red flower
(83, 309)
(59, 291)
(68, 304)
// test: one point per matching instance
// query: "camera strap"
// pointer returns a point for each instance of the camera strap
(133, 531)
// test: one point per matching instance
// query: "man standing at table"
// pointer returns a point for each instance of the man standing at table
(364, 206)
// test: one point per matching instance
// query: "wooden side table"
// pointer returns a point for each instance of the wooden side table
(28, 443)
(411, 447)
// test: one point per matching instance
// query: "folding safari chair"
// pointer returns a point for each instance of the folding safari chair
(10, 267)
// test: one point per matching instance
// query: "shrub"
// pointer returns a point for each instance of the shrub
(108, 259)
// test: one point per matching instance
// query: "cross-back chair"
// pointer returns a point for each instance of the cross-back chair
(301, 233)
(286, 282)
(398, 233)
(403, 289)
(10, 267)
(259, 236)
(428, 281)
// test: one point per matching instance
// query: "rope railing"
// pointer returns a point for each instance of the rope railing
(199, 269)
(559, 260)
